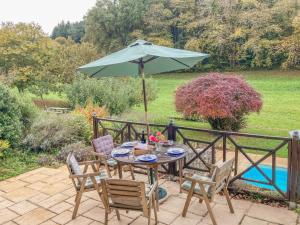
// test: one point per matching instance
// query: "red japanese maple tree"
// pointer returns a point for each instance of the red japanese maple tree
(223, 100)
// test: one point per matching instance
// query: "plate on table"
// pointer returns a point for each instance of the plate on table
(175, 151)
(120, 152)
(147, 158)
(130, 144)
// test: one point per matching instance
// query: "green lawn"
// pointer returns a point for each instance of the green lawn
(280, 91)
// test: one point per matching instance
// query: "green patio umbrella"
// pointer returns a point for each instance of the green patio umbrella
(141, 58)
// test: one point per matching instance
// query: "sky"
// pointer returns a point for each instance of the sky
(47, 13)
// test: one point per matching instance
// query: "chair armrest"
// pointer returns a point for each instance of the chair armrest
(85, 175)
(89, 162)
(208, 182)
(100, 155)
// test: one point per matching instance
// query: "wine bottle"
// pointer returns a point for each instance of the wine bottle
(143, 139)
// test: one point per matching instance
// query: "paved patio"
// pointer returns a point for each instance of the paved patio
(46, 196)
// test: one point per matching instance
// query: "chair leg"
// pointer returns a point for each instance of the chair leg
(188, 200)
(131, 172)
(118, 214)
(210, 211)
(108, 170)
(77, 202)
(149, 215)
(106, 218)
(155, 209)
(156, 191)
(228, 200)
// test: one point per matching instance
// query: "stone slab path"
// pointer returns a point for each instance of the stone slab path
(46, 196)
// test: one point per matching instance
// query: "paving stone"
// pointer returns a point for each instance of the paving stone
(87, 205)
(54, 188)
(165, 216)
(142, 220)
(37, 185)
(63, 218)
(131, 214)
(34, 217)
(11, 186)
(252, 221)
(38, 198)
(34, 178)
(80, 220)
(60, 207)
(49, 222)
(223, 215)
(237, 203)
(198, 208)
(53, 200)
(114, 221)
(98, 214)
(70, 192)
(71, 200)
(272, 214)
(173, 204)
(22, 207)
(10, 223)
(20, 194)
(190, 219)
(5, 203)
(6, 215)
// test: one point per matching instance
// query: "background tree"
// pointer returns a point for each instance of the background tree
(67, 29)
(223, 101)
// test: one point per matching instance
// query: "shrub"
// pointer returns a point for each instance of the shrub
(28, 110)
(89, 110)
(51, 131)
(222, 100)
(81, 151)
(115, 94)
(10, 115)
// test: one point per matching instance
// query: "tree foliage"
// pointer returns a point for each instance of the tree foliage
(237, 34)
(222, 100)
(75, 31)
(31, 60)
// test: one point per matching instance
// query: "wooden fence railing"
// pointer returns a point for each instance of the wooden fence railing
(204, 142)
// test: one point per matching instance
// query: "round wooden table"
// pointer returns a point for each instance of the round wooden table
(162, 158)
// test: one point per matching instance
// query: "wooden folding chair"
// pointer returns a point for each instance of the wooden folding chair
(129, 195)
(205, 188)
(103, 147)
(84, 181)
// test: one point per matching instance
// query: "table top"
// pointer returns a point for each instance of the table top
(162, 156)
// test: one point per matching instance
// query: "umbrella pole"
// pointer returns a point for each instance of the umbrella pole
(145, 96)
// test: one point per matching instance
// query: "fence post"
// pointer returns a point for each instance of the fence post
(294, 169)
(95, 126)
(171, 131)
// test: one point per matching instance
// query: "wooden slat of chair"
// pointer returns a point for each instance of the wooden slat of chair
(128, 195)
(220, 180)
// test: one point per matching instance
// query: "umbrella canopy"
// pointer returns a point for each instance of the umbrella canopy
(140, 58)
(156, 59)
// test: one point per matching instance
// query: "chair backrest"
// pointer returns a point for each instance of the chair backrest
(103, 145)
(125, 194)
(222, 173)
(74, 167)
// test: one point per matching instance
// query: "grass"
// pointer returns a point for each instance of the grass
(280, 91)
(17, 162)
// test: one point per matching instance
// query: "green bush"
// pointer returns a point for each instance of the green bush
(28, 109)
(50, 132)
(10, 116)
(115, 94)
